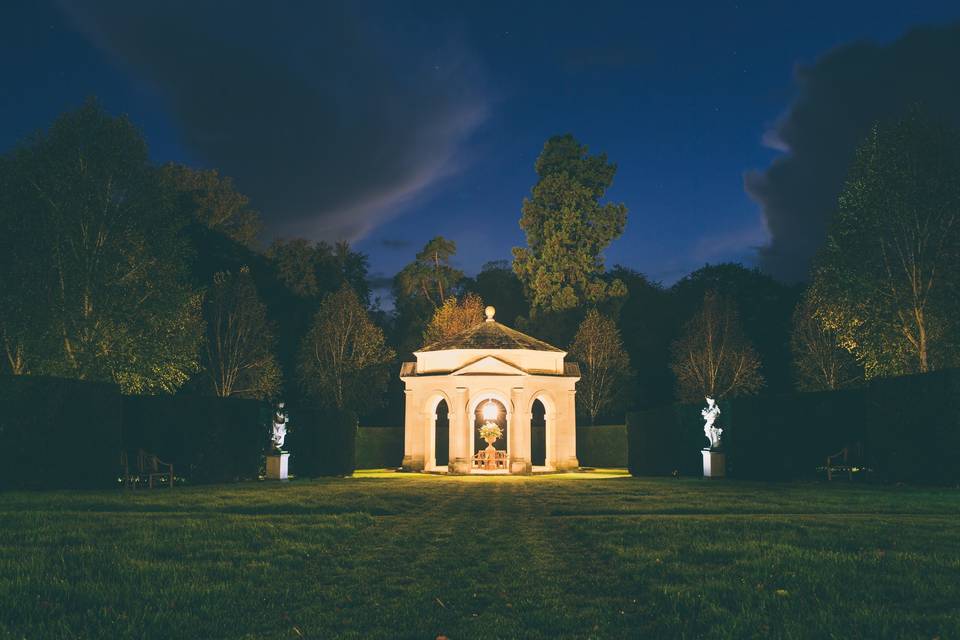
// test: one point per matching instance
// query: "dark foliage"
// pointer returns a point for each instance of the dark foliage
(57, 433)
(208, 439)
(322, 441)
(909, 428)
(602, 445)
(379, 447)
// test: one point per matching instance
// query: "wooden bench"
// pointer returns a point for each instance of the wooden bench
(846, 460)
(148, 471)
(500, 460)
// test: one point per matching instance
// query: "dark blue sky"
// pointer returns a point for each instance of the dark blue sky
(388, 125)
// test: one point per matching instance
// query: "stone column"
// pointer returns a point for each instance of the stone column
(460, 425)
(413, 432)
(519, 432)
(566, 434)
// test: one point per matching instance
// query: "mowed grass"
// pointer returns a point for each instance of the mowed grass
(385, 555)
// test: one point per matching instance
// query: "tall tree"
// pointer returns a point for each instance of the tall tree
(820, 363)
(498, 285)
(239, 355)
(431, 276)
(765, 308)
(648, 323)
(567, 228)
(343, 357)
(713, 357)
(453, 317)
(605, 373)
(215, 202)
(101, 258)
(887, 281)
(311, 271)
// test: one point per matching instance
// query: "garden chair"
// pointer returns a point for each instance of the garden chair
(846, 460)
(151, 467)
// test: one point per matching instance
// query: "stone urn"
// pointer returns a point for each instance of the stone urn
(490, 432)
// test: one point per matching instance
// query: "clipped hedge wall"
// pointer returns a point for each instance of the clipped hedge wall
(208, 439)
(59, 434)
(913, 427)
(602, 445)
(909, 427)
(379, 447)
(322, 442)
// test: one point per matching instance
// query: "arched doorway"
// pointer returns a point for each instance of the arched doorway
(489, 410)
(442, 435)
(538, 434)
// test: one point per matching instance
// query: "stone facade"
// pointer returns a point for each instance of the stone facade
(489, 362)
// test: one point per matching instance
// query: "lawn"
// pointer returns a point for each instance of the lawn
(385, 555)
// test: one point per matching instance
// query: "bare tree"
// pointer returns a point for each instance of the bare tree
(713, 357)
(454, 316)
(819, 361)
(239, 355)
(604, 365)
(343, 358)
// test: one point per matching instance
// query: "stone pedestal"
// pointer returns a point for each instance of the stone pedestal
(519, 466)
(714, 464)
(460, 466)
(277, 464)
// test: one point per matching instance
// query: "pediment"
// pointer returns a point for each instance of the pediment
(489, 365)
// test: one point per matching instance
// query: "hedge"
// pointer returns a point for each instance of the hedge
(909, 427)
(58, 434)
(602, 445)
(322, 442)
(208, 439)
(379, 447)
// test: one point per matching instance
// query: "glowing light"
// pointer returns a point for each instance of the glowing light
(490, 411)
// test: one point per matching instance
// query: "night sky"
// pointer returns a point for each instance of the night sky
(388, 123)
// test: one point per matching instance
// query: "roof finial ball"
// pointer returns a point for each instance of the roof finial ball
(490, 311)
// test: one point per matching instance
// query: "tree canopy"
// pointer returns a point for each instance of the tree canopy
(604, 366)
(567, 228)
(94, 259)
(239, 358)
(215, 202)
(453, 317)
(887, 280)
(713, 357)
(343, 357)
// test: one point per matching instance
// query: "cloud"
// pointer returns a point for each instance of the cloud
(331, 123)
(839, 98)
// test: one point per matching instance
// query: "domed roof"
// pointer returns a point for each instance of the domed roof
(490, 335)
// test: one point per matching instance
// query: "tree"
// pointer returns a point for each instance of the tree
(567, 229)
(713, 357)
(887, 281)
(605, 373)
(430, 276)
(100, 259)
(498, 285)
(312, 271)
(820, 363)
(215, 202)
(343, 358)
(647, 321)
(765, 308)
(239, 355)
(453, 317)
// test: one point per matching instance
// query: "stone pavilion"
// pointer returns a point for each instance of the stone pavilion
(490, 372)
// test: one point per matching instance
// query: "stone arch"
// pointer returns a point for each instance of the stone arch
(475, 401)
(431, 419)
(550, 425)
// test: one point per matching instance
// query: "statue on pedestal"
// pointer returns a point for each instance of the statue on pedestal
(710, 430)
(280, 421)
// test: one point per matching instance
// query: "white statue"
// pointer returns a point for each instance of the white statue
(280, 421)
(710, 430)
